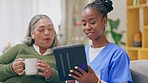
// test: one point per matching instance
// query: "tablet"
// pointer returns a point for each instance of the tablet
(67, 57)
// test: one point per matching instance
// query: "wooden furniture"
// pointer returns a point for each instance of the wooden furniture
(137, 20)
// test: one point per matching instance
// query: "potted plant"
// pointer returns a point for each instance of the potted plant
(113, 27)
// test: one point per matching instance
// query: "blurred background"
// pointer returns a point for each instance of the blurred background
(65, 14)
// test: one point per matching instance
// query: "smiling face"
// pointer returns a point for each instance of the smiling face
(93, 24)
(43, 33)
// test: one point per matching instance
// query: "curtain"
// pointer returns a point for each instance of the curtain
(70, 28)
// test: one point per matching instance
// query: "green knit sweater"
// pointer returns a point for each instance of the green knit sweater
(7, 75)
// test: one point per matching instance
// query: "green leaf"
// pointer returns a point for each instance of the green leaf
(114, 23)
(116, 36)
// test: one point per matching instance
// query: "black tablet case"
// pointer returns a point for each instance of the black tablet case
(67, 57)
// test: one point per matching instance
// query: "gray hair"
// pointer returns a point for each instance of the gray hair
(29, 40)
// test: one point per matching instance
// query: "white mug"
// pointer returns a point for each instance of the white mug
(31, 66)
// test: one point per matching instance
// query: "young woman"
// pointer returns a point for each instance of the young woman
(41, 38)
(108, 63)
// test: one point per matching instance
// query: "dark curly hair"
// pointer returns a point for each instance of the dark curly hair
(103, 6)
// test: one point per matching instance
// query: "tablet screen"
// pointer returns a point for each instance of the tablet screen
(67, 57)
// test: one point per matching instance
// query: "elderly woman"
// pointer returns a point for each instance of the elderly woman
(41, 38)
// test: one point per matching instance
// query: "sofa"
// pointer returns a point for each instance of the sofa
(139, 71)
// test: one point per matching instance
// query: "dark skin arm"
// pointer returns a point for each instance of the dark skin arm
(83, 76)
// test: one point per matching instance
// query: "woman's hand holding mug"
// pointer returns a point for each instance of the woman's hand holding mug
(18, 67)
(47, 70)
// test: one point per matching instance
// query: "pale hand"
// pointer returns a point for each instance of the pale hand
(45, 68)
(18, 67)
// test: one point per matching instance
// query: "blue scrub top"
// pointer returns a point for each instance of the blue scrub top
(111, 64)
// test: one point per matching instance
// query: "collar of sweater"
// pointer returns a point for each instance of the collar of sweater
(48, 51)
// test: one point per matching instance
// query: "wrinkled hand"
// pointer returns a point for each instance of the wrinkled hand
(45, 68)
(18, 67)
(83, 76)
